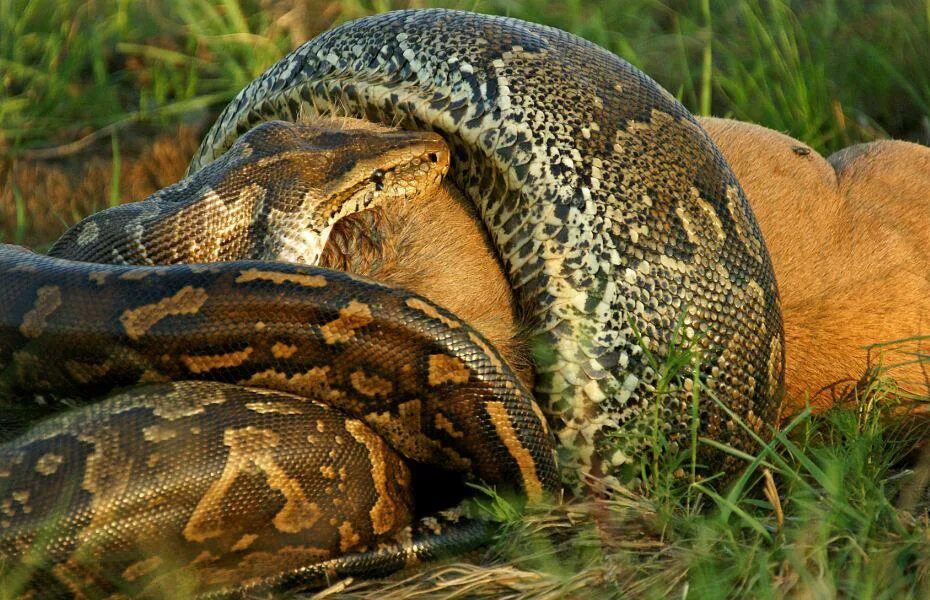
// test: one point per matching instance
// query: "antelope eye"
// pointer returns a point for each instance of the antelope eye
(377, 178)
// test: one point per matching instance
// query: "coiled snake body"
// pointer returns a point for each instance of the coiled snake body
(612, 210)
(613, 213)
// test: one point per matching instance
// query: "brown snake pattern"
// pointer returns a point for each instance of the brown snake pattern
(398, 364)
(271, 484)
(612, 211)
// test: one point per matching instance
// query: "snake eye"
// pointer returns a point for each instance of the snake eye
(377, 177)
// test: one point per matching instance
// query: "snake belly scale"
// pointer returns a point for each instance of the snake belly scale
(614, 214)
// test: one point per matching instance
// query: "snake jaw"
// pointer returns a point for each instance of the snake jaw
(406, 166)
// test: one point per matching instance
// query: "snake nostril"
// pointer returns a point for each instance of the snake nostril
(377, 177)
(432, 157)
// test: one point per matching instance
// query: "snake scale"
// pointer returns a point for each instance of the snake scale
(616, 220)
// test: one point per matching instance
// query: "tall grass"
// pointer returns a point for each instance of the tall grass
(830, 72)
(75, 66)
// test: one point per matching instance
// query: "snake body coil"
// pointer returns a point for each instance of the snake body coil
(616, 219)
(614, 214)
(230, 483)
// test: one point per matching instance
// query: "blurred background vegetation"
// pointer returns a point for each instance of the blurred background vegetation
(88, 86)
(830, 72)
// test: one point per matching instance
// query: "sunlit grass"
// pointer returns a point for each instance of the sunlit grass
(830, 505)
(844, 517)
(829, 72)
(72, 67)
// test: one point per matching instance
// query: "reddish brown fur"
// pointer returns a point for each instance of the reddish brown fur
(435, 247)
(849, 242)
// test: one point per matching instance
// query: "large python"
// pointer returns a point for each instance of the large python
(615, 217)
(231, 485)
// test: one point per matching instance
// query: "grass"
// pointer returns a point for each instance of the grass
(80, 77)
(80, 66)
(828, 72)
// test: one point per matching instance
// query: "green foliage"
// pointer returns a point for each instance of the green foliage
(830, 72)
(850, 520)
(844, 514)
(77, 64)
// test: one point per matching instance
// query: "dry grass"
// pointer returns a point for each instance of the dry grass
(57, 192)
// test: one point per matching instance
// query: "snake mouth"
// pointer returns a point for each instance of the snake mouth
(404, 180)
(357, 164)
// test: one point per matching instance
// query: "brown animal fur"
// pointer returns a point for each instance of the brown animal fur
(850, 245)
(435, 247)
(846, 237)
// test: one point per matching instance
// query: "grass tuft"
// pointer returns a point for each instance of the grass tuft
(829, 73)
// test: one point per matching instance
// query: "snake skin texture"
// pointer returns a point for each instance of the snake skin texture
(102, 518)
(274, 195)
(614, 214)
(185, 465)
(230, 487)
